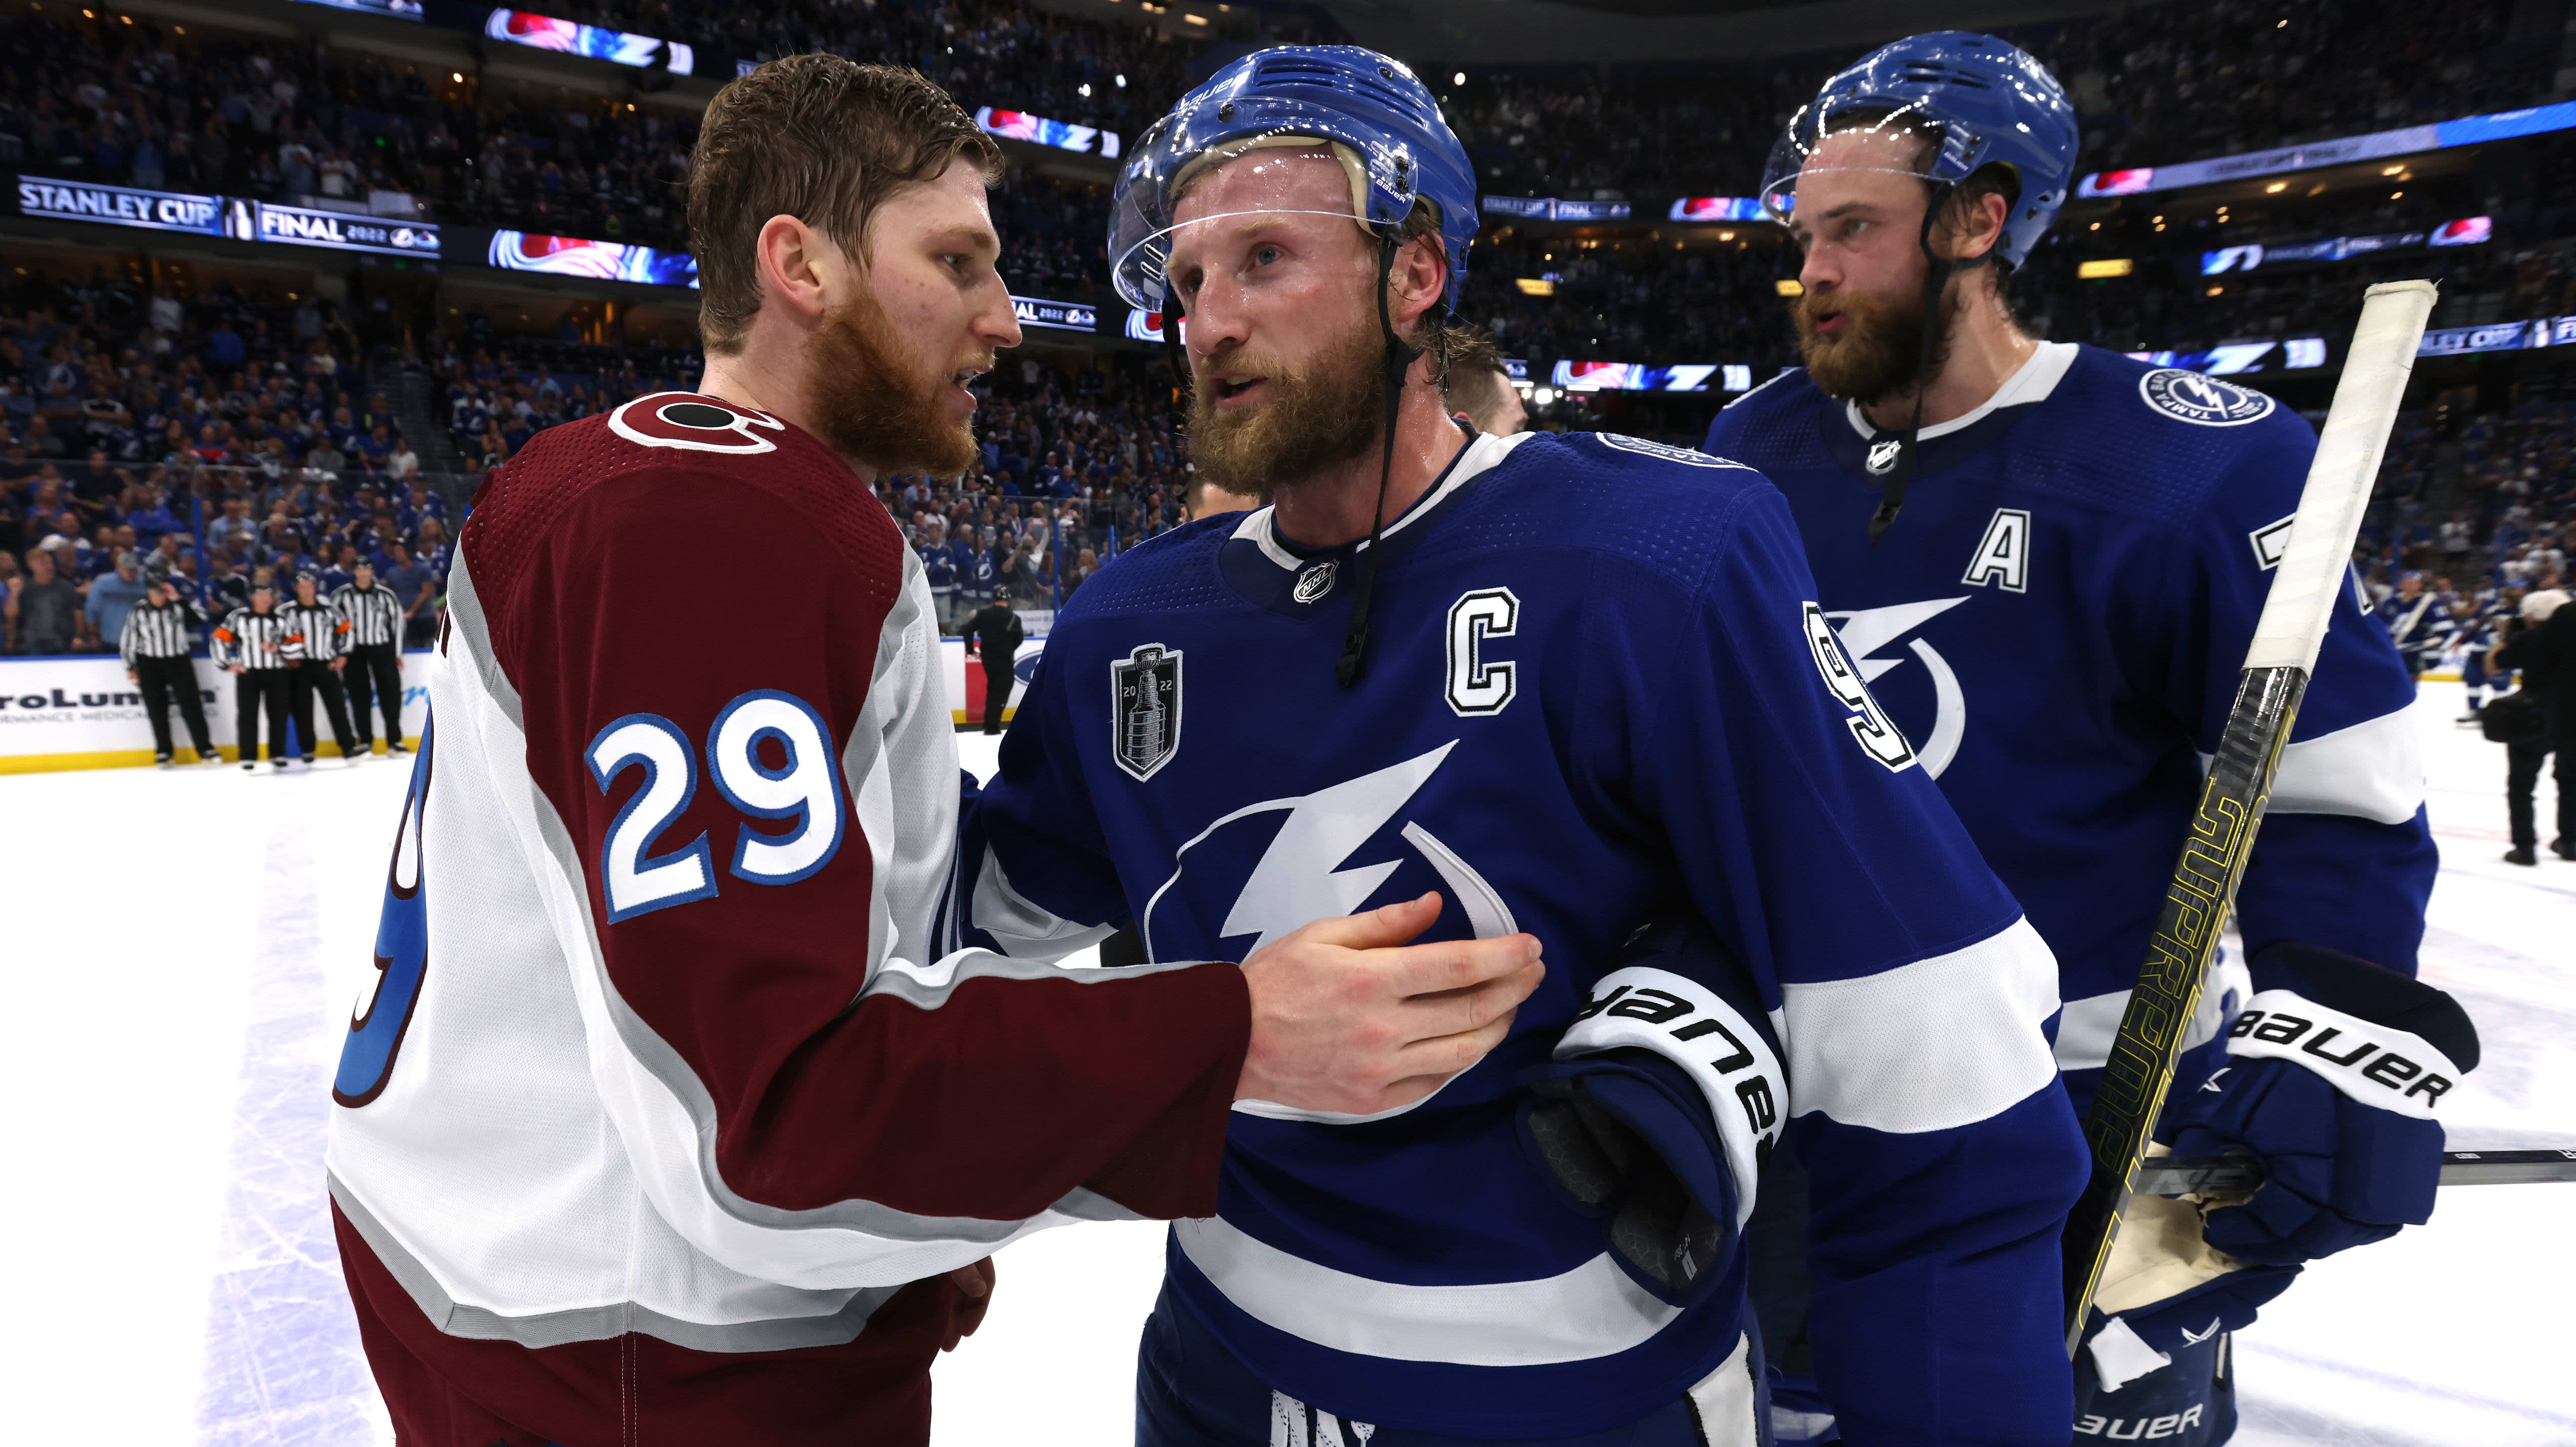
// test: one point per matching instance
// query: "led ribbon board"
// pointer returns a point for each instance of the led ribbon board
(2404, 141)
(601, 260)
(544, 32)
(330, 230)
(1039, 131)
(120, 206)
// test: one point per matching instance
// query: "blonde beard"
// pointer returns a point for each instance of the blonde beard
(1319, 415)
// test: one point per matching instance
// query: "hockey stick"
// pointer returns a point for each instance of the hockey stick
(2286, 639)
(2238, 1175)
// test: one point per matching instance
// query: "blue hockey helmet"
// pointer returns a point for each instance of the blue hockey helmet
(1985, 101)
(1380, 121)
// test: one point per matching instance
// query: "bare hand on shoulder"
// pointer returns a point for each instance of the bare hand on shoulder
(1348, 1018)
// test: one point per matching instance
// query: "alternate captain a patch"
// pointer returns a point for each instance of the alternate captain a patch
(1145, 709)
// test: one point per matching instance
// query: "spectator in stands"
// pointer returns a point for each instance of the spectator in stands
(45, 611)
(415, 588)
(113, 596)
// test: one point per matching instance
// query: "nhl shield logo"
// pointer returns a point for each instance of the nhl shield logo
(1145, 709)
(1315, 582)
(1883, 455)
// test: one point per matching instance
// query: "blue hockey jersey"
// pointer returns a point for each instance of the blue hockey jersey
(1597, 689)
(2057, 619)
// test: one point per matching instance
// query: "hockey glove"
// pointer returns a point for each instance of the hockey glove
(2334, 1071)
(1663, 1098)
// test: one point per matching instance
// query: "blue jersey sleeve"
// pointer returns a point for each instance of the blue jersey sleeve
(1912, 998)
(1034, 876)
(2345, 858)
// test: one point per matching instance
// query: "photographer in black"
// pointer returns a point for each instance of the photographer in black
(2542, 645)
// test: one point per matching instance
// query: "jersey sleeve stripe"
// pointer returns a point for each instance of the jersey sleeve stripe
(2086, 1029)
(1020, 927)
(1592, 1311)
(2373, 770)
(1937, 1044)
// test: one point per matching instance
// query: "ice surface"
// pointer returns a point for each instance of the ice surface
(184, 949)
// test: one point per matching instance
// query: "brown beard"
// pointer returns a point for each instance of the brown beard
(868, 403)
(1880, 352)
(1318, 416)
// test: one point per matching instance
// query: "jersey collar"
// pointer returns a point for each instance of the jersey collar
(2030, 382)
(1260, 527)
(1270, 572)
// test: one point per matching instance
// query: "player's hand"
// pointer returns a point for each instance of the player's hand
(1347, 1018)
(975, 1284)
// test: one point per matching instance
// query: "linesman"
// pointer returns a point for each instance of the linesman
(155, 644)
(316, 631)
(251, 645)
(374, 675)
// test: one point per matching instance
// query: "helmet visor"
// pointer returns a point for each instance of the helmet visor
(1142, 228)
(1847, 140)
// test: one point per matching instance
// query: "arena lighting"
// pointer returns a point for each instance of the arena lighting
(2406, 140)
(2106, 269)
(1039, 131)
(1789, 286)
(544, 32)
(1534, 286)
(397, 9)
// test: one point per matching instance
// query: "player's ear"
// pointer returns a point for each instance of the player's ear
(801, 271)
(1417, 281)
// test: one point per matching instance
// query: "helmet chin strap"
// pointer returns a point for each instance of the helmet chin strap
(1936, 276)
(1399, 361)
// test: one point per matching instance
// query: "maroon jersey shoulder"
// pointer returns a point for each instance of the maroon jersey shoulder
(714, 449)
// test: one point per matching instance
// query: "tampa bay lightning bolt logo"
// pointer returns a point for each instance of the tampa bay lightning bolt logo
(2205, 401)
(402, 951)
(1867, 630)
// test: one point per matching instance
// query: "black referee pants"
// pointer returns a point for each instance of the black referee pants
(165, 680)
(997, 693)
(258, 691)
(313, 678)
(374, 676)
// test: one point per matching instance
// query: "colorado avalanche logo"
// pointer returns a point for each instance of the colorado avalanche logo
(693, 423)
(402, 951)
(2205, 401)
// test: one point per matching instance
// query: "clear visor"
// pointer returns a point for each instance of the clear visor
(1850, 139)
(1142, 232)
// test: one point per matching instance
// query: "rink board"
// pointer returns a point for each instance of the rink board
(81, 712)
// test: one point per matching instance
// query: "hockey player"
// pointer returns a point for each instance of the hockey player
(2413, 617)
(2049, 559)
(662, 1122)
(1571, 683)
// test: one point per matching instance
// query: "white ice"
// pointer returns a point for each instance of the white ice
(186, 948)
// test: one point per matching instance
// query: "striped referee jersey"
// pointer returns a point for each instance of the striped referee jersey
(157, 631)
(374, 615)
(318, 633)
(255, 640)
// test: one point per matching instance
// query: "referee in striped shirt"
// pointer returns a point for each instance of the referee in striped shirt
(374, 674)
(155, 644)
(252, 645)
(315, 632)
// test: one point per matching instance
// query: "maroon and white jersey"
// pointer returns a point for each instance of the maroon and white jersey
(660, 1081)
